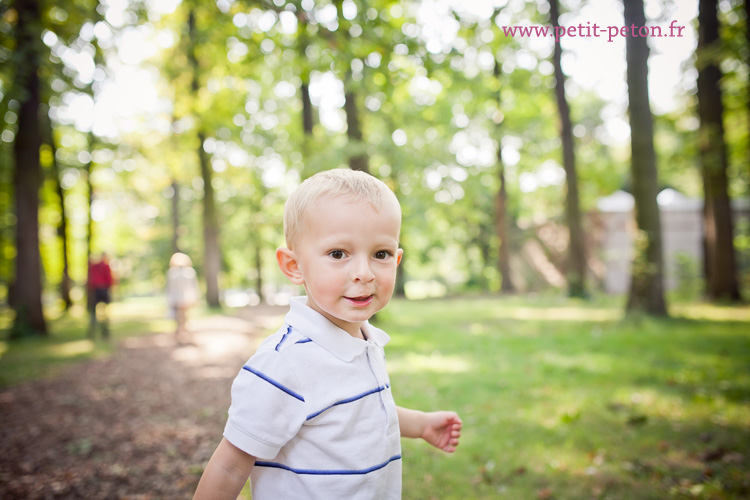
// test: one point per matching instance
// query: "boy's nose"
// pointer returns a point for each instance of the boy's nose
(362, 271)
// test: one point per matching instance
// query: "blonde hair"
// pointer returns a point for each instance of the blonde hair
(341, 182)
(180, 259)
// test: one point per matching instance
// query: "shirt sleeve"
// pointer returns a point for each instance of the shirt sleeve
(267, 408)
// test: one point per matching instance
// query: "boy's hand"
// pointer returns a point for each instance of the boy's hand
(442, 430)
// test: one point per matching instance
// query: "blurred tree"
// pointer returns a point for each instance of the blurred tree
(303, 42)
(358, 159)
(27, 288)
(72, 28)
(212, 252)
(62, 228)
(721, 268)
(502, 222)
(576, 272)
(746, 3)
(90, 226)
(175, 210)
(647, 274)
(64, 45)
(8, 109)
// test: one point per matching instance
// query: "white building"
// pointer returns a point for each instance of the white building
(682, 235)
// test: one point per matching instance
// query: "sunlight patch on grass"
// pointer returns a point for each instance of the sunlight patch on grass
(148, 327)
(699, 310)
(477, 329)
(559, 314)
(588, 362)
(435, 362)
(71, 349)
(654, 401)
(139, 307)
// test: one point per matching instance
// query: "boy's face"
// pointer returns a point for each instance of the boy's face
(347, 256)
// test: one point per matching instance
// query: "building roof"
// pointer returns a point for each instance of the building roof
(668, 199)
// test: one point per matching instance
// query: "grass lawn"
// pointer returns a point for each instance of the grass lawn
(564, 399)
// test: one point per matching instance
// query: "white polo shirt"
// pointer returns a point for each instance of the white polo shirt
(314, 406)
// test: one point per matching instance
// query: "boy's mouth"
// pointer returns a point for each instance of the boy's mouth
(363, 300)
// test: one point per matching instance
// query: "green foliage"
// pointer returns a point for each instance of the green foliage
(735, 65)
(689, 278)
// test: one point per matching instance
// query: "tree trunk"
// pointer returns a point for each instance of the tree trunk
(647, 283)
(354, 131)
(259, 269)
(211, 251)
(399, 289)
(576, 272)
(501, 216)
(308, 116)
(721, 268)
(27, 177)
(90, 220)
(62, 229)
(175, 216)
(501, 205)
(747, 63)
(307, 124)
(307, 109)
(400, 286)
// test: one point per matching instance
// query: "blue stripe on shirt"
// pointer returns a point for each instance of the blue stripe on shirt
(288, 331)
(348, 400)
(322, 472)
(273, 382)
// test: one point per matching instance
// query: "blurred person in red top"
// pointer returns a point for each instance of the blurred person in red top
(99, 292)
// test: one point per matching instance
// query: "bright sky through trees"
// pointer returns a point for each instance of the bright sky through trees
(128, 100)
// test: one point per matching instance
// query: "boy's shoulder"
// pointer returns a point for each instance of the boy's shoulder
(283, 340)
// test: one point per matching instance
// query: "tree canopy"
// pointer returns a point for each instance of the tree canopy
(184, 125)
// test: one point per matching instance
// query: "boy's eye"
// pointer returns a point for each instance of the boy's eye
(382, 254)
(336, 254)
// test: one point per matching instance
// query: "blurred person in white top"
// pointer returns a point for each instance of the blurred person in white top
(182, 293)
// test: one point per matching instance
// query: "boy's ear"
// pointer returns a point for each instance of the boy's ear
(399, 254)
(287, 260)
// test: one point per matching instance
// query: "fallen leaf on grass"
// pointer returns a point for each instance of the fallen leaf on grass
(713, 454)
(637, 419)
(544, 494)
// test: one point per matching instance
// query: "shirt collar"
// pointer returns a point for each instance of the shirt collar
(320, 330)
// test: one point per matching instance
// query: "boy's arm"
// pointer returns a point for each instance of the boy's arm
(441, 429)
(225, 474)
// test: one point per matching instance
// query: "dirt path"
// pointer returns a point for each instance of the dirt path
(140, 424)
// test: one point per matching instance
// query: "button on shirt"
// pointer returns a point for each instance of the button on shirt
(314, 406)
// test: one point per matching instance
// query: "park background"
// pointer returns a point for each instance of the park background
(143, 128)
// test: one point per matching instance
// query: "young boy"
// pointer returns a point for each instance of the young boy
(312, 415)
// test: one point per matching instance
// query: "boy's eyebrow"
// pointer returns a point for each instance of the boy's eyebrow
(335, 241)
